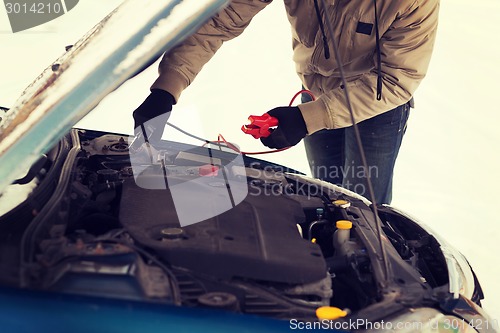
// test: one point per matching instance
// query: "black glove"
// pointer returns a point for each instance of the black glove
(158, 106)
(291, 128)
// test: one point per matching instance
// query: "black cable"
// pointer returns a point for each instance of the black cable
(313, 224)
(187, 133)
(360, 147)
(379, 54)
(322, 28)
(218, 144)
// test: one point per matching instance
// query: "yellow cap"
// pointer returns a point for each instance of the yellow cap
(344, 224)
(330, 313)
(342, 203)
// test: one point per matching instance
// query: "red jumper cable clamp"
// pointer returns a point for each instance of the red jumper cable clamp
(260, 126)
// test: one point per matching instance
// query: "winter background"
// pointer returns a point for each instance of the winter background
(447, 174)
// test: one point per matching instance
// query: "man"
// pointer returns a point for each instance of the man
(385, 48)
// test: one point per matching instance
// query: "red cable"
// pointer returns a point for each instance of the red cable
(303, 91)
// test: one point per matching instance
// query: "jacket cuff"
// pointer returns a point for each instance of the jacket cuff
(171, 81)
(315, 115)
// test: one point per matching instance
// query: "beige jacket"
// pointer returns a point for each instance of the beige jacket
(407, 33)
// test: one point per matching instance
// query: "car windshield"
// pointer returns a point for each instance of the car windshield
(447, 171)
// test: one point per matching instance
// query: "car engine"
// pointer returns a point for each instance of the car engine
(285, 248)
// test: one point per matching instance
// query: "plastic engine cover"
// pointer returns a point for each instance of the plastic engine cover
(257, 239)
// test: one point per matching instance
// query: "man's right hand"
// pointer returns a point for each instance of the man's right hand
(150, 118)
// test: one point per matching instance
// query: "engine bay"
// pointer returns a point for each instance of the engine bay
(287, 247)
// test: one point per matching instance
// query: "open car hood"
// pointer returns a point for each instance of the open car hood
(129, 38)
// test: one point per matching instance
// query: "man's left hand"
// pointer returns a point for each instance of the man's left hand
(291, 128)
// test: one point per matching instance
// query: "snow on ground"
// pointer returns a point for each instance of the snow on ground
(447, 174)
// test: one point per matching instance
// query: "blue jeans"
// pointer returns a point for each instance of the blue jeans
(334, 156)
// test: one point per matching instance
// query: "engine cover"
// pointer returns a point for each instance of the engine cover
(258, 239)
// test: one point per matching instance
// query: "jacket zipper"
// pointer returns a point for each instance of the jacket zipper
(318, 45)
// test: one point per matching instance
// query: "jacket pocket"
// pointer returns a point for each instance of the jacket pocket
(363, 37)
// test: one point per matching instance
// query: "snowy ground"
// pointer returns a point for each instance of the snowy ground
(448, 170)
